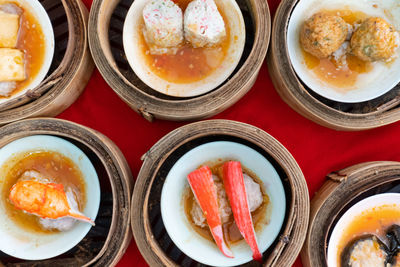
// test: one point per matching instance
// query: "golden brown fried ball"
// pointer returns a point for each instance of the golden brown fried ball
(323, 34)
(375, 40)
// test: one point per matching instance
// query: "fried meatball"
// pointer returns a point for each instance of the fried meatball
(323, 34)
(375, 40)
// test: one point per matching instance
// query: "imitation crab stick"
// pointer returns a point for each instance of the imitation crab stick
(203, 188)
(236, 191)
(46, 200)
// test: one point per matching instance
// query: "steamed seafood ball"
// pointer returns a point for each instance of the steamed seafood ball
(375, 40)
(204, 25)
(163, 25)
(365, 251)
(323, 34)
(254, 197)
(223, 204)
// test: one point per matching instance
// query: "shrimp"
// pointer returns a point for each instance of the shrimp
(46, 200)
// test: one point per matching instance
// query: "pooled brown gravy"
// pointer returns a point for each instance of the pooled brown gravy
(231, 231)
(53, 166)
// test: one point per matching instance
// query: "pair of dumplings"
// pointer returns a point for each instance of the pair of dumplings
(166, 27)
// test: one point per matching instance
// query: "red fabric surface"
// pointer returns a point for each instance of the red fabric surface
(318, 150)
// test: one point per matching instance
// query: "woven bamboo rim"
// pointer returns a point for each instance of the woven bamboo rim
(340, 189)
(117, 169)
(107, 50)
(73, 64)
(287, 247)
(340, 116)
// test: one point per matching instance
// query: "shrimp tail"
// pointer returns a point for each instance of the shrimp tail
(80, 217)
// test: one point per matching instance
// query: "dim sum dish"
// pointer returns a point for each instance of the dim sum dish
(49, 197)
(184, 48)
(223, 204)
(346, 51)
(368, 234)
(26, 46)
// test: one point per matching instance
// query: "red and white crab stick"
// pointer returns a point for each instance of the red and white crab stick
(203, 188)
(236, 191)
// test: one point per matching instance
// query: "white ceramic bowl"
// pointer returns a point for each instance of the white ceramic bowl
(36, 9)
(22, 244)
(132, 46)
(177, 224)
(370, 85)
(348, 216)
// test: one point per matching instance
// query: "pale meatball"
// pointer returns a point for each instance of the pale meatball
(204, 25)
(254, 198)
(163, 21)
(323, 34)
(375, 40)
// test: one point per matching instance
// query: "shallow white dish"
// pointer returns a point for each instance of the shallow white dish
(348, 216)
(177, 224)
(370, 85)
(132, 45)
(36, 8)
(26, 245)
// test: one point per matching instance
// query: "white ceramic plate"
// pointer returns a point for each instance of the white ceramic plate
(348, 216)
(177, 224)
(22, 244)
(40, 14)
(133, 50)
(370, 85)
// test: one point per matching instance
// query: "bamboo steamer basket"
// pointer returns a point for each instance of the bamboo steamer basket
(105, 39)
(336, 115)
(147, 225)
(105, 243)
(70, 70)
(341, 190)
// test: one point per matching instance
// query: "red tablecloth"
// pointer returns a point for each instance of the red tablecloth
(318, 150)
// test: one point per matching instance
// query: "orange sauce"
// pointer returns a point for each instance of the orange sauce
(188, 64)
(342, 76)
(231, 231)
(373, 221)
(31, 41)
(52, 165)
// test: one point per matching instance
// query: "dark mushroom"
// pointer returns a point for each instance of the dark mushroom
(366, 250)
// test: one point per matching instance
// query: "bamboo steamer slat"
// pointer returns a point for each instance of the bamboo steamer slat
(105, 40)
(148, 229)
(341, 190)
(105, 244)
(70, 71)
(340, 116)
